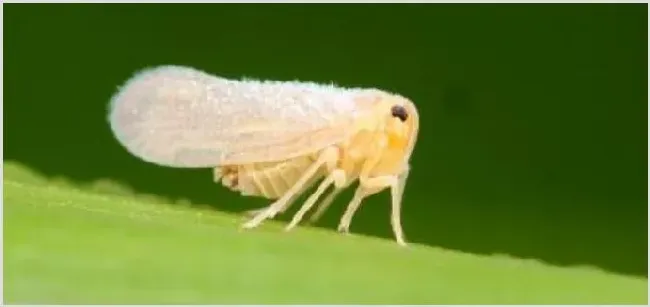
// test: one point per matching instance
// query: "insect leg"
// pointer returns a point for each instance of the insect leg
(323, 205)
(253, 212)
(325, 157)
(304, 188)
(371, 186)
(337, 177)
(361, 192)
(346, 219)
(397, 193)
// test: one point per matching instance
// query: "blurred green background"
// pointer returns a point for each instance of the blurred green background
(533, 137)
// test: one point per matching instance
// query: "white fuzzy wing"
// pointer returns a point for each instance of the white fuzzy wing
(182, 117)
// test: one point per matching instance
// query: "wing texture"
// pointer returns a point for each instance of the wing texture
(182, 117)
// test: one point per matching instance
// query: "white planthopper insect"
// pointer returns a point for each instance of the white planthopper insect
(270, 138)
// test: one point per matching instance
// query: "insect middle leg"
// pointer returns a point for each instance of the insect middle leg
(323, 205)
(337, 177)
(328, 156)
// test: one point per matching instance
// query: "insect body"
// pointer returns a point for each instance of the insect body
(271, 139)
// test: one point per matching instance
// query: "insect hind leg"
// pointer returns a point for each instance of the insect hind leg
(327, 157)
(252, 213)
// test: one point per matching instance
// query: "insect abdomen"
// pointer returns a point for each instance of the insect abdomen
(270, 180)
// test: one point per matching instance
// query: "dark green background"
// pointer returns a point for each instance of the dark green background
(533, 117)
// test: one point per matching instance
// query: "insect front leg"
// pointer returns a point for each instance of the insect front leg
(367, 187)
(337, 177)
(371, 186)
(326, 157)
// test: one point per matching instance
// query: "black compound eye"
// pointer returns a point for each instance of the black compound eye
(399, 112)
